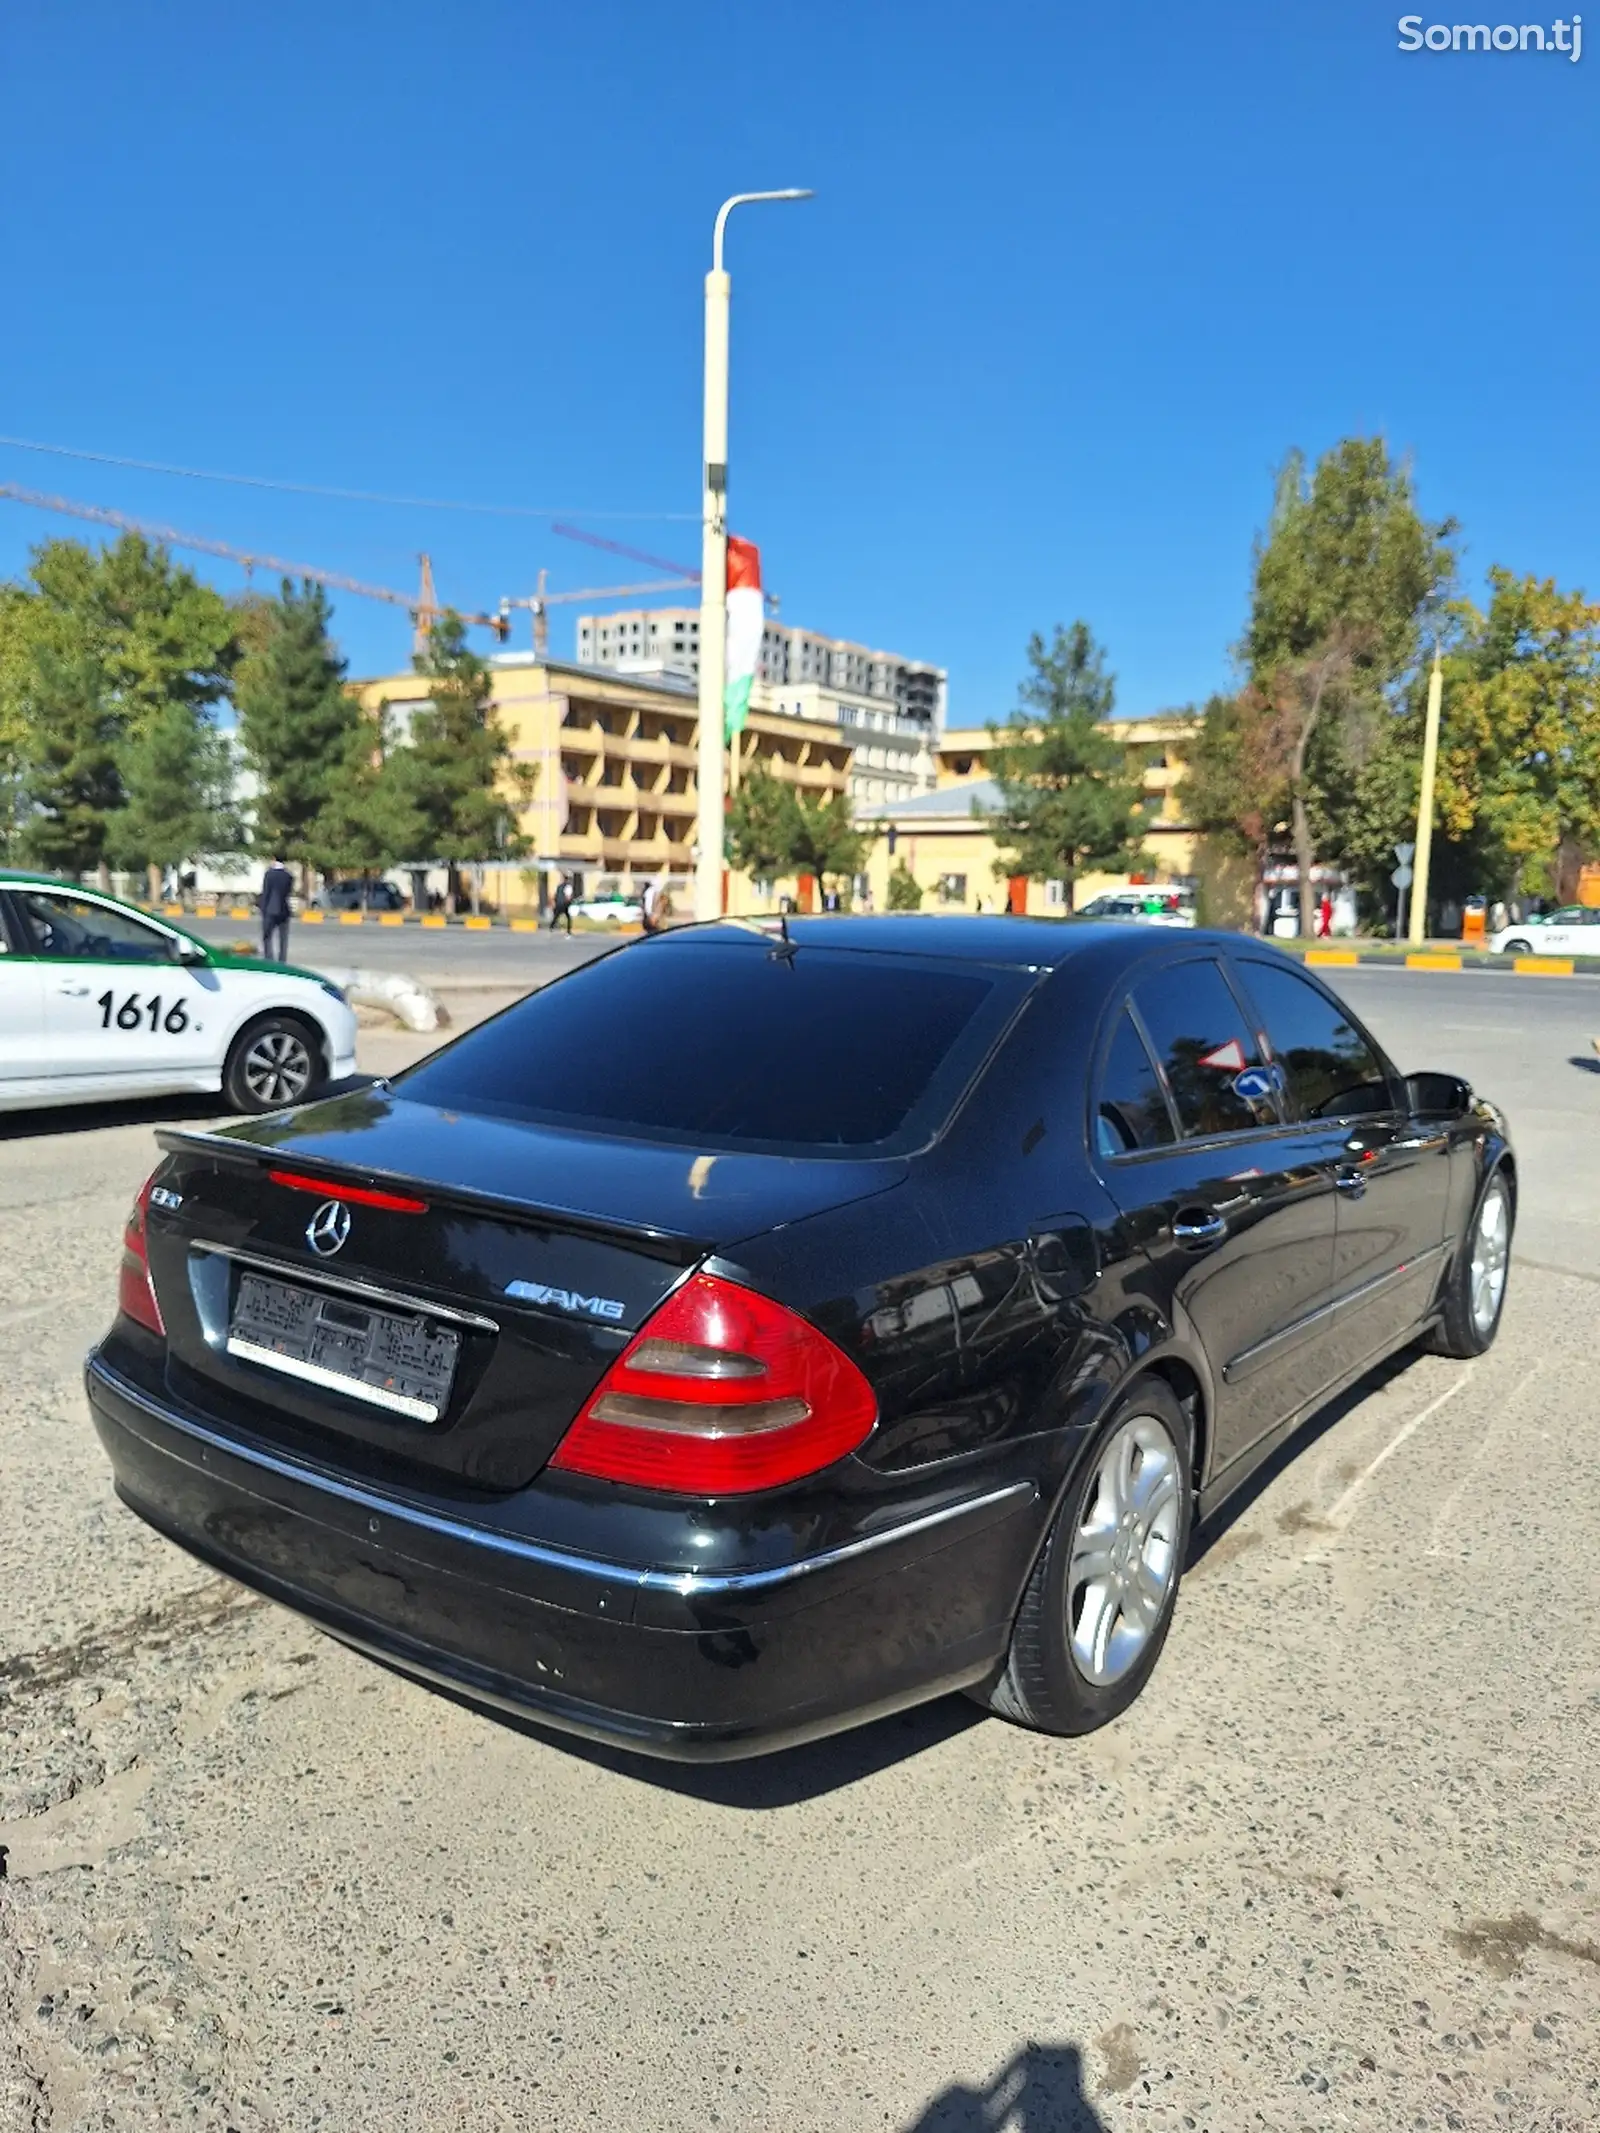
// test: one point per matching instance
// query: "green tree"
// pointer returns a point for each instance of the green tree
(178, 794)
(459, 774)
(1235, 788)
(19, 642)
(71, 783)
(95, 649)
(370, 821)
(760, 826)
(904, 892)
(826, 842)
(299, 726)
(1519, 770)
(774, 828)
(1345, 583)
(1067, 801)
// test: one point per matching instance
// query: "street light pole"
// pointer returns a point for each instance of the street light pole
(1430, 762)
(714, 565)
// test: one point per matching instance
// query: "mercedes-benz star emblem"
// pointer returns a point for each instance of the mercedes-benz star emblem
(328, 1228)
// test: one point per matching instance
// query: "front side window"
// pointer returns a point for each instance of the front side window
(1212, 1063)
(1330, 1069)
(80, 931)
(1131, 1112)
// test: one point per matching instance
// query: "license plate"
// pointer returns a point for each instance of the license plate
(406, 1365)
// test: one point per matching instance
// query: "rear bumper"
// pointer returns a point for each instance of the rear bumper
(691, 1668)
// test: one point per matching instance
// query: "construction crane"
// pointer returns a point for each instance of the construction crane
(424, 606)
(682, 571)
(538, 603)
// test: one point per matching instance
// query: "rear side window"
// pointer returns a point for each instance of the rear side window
(721, 1044)
(1132, 1109)
(1212, 1063)
(1331, 1070)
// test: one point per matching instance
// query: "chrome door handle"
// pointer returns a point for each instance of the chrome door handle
(1196, 1229)
(1351, 1182)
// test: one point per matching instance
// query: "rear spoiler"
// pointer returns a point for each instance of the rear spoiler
(674, 1246)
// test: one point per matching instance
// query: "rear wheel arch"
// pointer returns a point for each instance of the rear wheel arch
(1184, 1383)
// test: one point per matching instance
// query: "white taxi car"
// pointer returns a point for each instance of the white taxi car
(1572, 930)
(98, 1002)
(1147, 907)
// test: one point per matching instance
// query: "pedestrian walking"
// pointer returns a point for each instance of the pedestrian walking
(276, 886)
(1325, 917)
(561, 906)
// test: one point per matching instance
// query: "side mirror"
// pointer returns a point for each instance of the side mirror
(183, 951)
(1438, 1095)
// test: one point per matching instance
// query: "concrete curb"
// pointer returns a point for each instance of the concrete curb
(1519, 966)
(432, 922)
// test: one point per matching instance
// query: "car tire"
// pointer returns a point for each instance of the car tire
(1084, 1645)
(1475, 1294)
(275, 1061)
(1517, 947)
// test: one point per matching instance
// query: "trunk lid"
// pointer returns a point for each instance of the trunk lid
(489, 1273)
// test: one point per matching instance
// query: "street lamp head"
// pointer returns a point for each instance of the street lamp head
(788, 192)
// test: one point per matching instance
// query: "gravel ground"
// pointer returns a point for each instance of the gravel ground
(1339, 1868)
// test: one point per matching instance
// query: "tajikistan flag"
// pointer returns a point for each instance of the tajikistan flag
(745, 614)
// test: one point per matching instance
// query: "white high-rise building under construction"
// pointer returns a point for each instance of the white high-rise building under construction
(893, 707)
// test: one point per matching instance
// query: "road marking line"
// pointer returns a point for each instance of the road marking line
(1496, 1415)
(1339, 1517)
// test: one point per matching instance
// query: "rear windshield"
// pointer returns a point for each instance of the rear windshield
(724, 1044)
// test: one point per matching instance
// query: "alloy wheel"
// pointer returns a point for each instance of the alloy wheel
(1125, 1551)
(1124, 1560)
(1491, 1251)
(277, 1068)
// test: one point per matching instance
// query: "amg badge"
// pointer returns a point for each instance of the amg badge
(565, 1299)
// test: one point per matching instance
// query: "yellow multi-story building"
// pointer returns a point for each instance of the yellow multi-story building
(945, 840)
(614, 794)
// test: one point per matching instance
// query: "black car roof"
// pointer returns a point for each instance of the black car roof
(1020, 943)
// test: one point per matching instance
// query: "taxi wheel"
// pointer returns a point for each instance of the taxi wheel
(276, 1061)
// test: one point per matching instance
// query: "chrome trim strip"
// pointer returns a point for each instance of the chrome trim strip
(332, 1380)
(1247, 1356)
(687, 1584)
(347, 1285)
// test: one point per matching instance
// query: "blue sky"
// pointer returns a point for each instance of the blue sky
(1073, 282)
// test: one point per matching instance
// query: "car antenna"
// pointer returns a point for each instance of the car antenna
(786, 949)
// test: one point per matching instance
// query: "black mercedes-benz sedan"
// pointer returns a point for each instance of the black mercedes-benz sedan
(755, 1331)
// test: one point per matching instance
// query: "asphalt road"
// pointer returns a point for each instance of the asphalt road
(449, 954)
(1337, 1869)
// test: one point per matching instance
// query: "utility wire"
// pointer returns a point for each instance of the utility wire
(349, 496)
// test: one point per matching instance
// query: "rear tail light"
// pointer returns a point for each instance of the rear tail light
(720, 1393)
(136, 1294)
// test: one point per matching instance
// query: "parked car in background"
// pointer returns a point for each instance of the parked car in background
(99, 1001)
(1149, 907)
(362, 896)
(1574, 929)
(611, 908)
